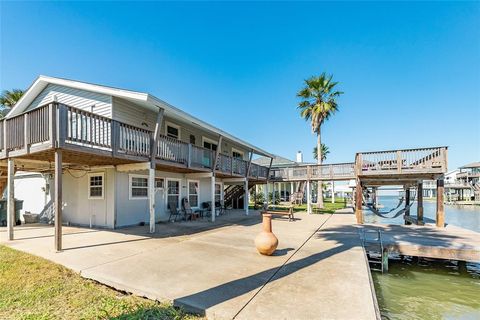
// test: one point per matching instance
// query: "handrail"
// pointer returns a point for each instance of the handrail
(57, 125)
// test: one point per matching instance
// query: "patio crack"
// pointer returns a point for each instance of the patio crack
(281, 267)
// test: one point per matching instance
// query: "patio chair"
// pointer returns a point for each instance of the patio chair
(207, 209)
(172, 207)
(188, 213)
(219, 207)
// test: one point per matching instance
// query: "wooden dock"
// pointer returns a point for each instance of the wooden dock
(428, 241)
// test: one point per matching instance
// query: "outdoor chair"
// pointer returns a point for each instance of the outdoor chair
(172, 207)
(220, 207)
(188, 213)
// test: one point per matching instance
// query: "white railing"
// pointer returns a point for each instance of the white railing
(337, 171)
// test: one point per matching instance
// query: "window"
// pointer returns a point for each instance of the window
(95, 185)
(138, 187)
(209, 144)
(218, 192)
(159, 183)
(172, 131)
(173, 192)
(237, 154)
(193, 191)
(192, 139)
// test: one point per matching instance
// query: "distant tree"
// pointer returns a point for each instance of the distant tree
(318, 103)
(8, 99)
(324, 152)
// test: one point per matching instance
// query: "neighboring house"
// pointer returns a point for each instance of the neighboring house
(469, 176)
(117, 147)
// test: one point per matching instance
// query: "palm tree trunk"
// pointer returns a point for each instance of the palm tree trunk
(319, 161)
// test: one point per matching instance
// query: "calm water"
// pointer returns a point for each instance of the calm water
(429, 289)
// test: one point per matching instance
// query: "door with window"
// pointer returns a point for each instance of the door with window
(173, 193)
(193, 192)
(209, 154)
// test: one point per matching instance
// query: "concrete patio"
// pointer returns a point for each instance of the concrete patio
(318, 271)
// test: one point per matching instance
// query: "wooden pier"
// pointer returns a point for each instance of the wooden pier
(450, 243)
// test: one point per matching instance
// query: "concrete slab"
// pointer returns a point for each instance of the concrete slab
(214, 269)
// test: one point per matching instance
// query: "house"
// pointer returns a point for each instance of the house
(114, 158)
(469, 176)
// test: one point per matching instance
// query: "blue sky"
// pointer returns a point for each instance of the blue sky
(410, 71)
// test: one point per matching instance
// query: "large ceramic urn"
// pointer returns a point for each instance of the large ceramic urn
(266, 242)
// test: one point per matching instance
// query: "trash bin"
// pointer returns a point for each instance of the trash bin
(3, 211)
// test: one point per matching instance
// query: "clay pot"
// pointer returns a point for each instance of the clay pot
(266, 242)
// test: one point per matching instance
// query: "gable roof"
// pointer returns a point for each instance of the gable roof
(278, 161)
(471, 165)
(141, 99)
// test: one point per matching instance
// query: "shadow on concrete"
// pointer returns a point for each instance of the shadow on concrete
(343, 238)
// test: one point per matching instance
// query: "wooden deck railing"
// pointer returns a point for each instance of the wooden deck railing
(422, 160)
(337, 171)
(57, 125)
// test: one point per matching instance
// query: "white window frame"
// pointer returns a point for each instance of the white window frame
(205, 139)
(221, 190)
(130, 176)
(238, 151)
(96, 174)
(159, 179)
(198, 193)
(179, 191)
(173, 125)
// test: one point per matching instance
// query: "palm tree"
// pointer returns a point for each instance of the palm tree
(8, 100)
(325, 151)
(318, 104)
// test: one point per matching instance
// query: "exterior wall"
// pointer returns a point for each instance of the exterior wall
(94, 102)
(78, 209)
(134, 211)
(128, 112)
(30, 188)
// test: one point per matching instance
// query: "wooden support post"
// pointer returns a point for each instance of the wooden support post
(151, 198)
(26, 137)
(10, 198)
(212, 188)
(52, 121)
(156, 136)
(245, 205)
(407, 203)
(420, 203)
(265, 194)
(358, 202)
(440, 205)
(333, 191)
(58, 200)
(291, 191)
(115, 137)
(309, 198)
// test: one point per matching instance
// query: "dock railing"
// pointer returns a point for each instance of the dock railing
(56, 125)
(337, 171)
(422, 160)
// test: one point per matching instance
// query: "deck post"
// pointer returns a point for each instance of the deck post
(358, 202)
(265, 195)
(245, 200)
(151, 198)
(440, 216)
(407, 203)
(212, 189)
(309, 198)
(58, 200)
(420, 203)
(291, 191)
(273, 194)
(333, 191)
(10, 198)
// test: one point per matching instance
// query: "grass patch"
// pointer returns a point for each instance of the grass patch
(34, 288)
(328, 207)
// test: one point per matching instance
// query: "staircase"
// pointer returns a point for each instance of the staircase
(297, 196)
(48, 213)
(233, 193)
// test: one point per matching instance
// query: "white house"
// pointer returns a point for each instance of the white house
(123, 155)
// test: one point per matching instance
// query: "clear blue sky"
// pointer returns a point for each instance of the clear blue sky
(410, 71)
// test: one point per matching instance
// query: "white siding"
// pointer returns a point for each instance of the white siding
(102, 104)
(30, 188)
(78, 209)
(127, 112)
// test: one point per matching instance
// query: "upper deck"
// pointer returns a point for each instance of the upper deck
(379, 166)
(91, 139)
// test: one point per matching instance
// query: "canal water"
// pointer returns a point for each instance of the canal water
(427, 288)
